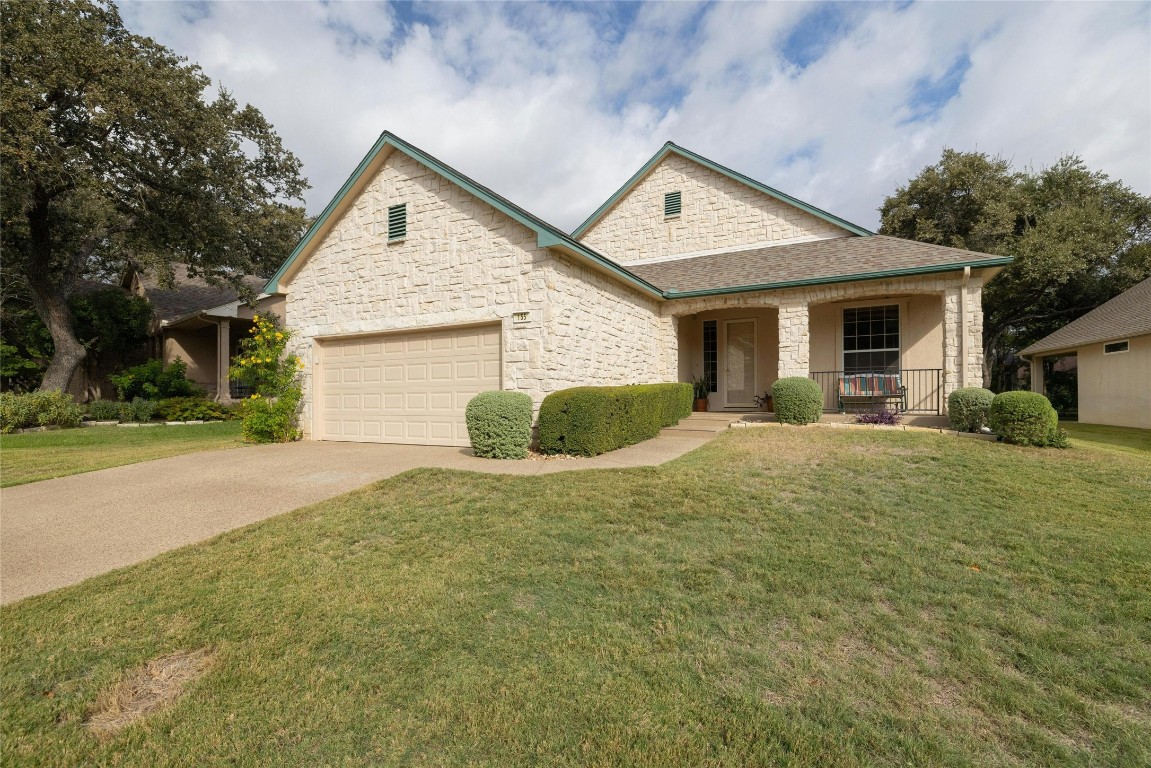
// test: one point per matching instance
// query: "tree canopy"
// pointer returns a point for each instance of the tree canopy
(1078, 238)
(115, 152)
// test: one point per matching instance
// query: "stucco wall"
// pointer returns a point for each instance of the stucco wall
(1114, 389)
(465, 262)
(717, 213)
(198, 350)
(766, 347)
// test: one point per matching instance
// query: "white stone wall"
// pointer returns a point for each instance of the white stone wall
(717, 213)
(465, 262)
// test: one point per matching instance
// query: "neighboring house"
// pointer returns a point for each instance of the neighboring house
(200, 323)
(1112, 345)
(417, 287)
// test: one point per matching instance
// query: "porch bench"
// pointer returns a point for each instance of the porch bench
(872, 388)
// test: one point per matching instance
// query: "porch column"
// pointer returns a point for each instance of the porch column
(794, 337)
(223, 346)
(1037, 382)
(952, 328)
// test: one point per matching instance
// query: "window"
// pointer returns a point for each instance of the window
(1115, 346)
(871, 339)
(711, 354)
(397, 222)
(672, 203)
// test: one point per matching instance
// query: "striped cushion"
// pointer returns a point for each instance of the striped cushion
(870, 385)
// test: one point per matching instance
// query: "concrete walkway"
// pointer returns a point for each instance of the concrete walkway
(59, 532)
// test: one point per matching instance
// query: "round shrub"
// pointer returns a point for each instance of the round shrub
(1024, 418)
(500, 424)
(968, 408)
(798, 400)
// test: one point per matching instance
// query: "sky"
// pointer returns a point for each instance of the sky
(555, 105)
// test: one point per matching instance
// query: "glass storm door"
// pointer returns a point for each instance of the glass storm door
(739, 363)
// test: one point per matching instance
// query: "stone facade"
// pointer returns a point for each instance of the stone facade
(465, 262)
(717, 213)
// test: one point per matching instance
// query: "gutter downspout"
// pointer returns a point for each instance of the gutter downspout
(963, 327)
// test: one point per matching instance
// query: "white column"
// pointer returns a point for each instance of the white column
(1037, 374)
(952, 328)
(223, 347)
(794, 339)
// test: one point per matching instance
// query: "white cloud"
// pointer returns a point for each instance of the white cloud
(554, 107)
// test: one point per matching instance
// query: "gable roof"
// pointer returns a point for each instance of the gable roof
(547, 236)
(836, 260)
(670, 148)
(1128, 314)
(188, 295)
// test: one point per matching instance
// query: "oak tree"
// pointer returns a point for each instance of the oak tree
(116, 151)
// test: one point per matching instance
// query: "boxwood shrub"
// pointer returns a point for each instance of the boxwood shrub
(968, 408)
(193, 409)
(798, 400)
(500, 424)
(104, 410)
(588, 421)
(1024, 418)
(38, 409)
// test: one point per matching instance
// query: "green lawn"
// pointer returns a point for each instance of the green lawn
(781, 596)
(1123, 439)
(42, 455)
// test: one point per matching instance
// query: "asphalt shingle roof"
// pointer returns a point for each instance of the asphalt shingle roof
(1128, 314)
(818, 261)
(189, 294)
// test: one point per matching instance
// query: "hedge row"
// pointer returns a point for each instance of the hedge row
(38, 409)
(588, 421)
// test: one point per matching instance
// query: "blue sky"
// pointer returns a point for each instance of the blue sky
(554, 105)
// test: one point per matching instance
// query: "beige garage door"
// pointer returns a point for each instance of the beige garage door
(405, 388)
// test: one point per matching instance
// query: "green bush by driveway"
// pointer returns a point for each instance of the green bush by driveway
(588, 421)
(500, 424)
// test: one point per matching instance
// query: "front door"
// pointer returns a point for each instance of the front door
(739, 364)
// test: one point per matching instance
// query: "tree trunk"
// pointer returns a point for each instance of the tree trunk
(52, 306)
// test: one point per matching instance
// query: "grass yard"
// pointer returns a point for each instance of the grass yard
(781, 596)
(42, 455)
(1136, 442)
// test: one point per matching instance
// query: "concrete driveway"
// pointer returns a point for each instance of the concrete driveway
(59, 532)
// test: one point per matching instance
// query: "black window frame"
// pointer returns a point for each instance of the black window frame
(1122, 346)
(711, 353)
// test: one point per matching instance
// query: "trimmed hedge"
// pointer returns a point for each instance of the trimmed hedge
(193, 409)
(1024, 418)
(38, 409)
(104, 410)
(139, 410)
(968, 408)
(797, 399)
(500, 424)
(588, 421)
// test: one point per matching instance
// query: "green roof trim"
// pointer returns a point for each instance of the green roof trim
(547, 235)
(670, 148)
(997, 262)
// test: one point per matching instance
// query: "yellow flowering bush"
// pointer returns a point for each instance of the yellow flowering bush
(269, 415)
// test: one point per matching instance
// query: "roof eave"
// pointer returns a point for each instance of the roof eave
(856, 277)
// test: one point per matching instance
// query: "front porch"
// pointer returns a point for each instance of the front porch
(922, 335)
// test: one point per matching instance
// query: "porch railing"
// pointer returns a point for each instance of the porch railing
(924, 389)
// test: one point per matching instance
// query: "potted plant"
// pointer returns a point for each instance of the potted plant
(701, 386)
(764, 403)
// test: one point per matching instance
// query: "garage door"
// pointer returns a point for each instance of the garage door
(405, 388)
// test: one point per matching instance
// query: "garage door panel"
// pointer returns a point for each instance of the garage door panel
(407, 388)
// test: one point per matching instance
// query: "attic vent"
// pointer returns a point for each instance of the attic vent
(671, 204)
(397, 222)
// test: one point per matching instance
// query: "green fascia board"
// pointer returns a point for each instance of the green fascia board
(671, 147)
(546, 235)
(997, 262)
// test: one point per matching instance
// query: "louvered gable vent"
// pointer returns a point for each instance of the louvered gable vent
(398, 221)
(671, 204)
